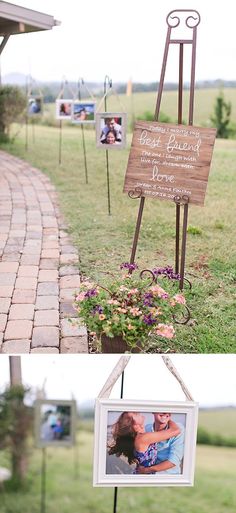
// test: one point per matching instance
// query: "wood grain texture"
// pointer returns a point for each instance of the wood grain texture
(168, 160)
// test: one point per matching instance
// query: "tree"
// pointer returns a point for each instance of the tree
(221, 117)
(15, 423)
(12, 104)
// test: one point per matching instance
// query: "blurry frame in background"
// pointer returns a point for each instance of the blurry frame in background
(83, 112)
(63, 108)
(117, 471)
(35, 105)
(55, 423)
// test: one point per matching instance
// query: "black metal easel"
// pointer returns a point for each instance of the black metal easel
(116, 488)
(173, 20)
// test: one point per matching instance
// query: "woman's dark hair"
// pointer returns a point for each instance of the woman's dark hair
(123, 437)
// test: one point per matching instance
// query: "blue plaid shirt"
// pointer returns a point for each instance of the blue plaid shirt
(171, 450)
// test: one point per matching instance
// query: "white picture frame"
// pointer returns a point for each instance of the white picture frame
(45, 434)
(64, 108)
(118, 127)
(83, 112)
(108, 408)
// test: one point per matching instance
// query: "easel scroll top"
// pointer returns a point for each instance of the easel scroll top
(167, 161)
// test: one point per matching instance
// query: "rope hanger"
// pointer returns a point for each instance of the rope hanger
(109, 92)
(64, 84)
(120, 367)
(31, 85)
(81, 83)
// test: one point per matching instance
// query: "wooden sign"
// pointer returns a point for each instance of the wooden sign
(168, 160)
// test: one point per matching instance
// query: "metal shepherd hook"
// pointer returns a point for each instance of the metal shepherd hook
(107, 86)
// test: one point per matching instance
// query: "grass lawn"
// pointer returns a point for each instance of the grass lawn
(219, 421)
(140, 103)
(105, 241)
(214, 489)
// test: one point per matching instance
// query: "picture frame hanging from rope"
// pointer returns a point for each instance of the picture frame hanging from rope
(64, 108)
(83, 112)
(55, 423)
(144, 443)
(111, 130)
(35, 105)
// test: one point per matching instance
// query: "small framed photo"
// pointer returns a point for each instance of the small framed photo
(144, 443)
(83, 112)
(55, 423)
(111, 130)
(63, 108)
(35, 105)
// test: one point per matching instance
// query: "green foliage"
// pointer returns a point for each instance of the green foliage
(15, 422)
(207, 438)
(12, 105)
(149, 116)
(221, 117)
(194, 230)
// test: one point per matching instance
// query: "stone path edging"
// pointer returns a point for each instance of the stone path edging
(38, 266)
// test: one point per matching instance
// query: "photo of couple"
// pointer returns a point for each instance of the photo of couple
(145, 443)
(54, 422)
(111, 130)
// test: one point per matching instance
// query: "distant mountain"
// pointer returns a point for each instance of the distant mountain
(14, 79)
(20, 79)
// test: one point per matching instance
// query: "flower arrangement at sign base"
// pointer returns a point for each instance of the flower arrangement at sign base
(131, 307)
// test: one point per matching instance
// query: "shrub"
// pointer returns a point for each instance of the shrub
(12, 104)
(221, 117)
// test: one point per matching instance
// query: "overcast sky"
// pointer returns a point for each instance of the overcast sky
(211, 379)
(122, 39)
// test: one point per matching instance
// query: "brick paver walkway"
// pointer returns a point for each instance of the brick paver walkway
(38, 266)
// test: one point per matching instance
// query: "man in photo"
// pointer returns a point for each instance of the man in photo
(169, 452)
(111, 126)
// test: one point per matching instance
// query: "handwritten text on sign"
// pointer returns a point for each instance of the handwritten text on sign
(167, 160)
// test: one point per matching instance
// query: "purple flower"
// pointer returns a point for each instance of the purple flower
(127, 265)
(149, 320)
(167, 271)
(148, 298)
(97, 309)
(91, 293)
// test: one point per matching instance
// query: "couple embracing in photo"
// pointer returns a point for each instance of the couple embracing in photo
(154, 447)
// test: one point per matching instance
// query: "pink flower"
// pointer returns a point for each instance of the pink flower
(112, 302)
(102, 317)
(179, 298)
(165, 330)
(122, 310)
(158, 291)
(80, 296)
(122, 288)
(130, 327)
(135, 311)
(132, 292)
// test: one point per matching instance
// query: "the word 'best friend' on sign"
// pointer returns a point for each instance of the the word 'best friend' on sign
(167, 160)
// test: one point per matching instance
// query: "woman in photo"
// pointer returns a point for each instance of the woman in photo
(110, 138)
(131, 440)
